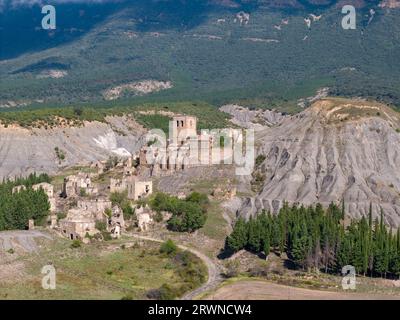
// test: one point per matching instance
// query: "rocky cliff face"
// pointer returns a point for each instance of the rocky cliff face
(335, 150)
(23, 151)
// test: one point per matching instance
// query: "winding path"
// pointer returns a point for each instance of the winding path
(214, 277)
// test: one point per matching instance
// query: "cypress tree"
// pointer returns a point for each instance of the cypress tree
(238, 238)
(254, 235)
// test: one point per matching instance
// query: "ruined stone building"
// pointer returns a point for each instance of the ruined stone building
(138, 189)
(100, 166)
(182, 128)
(186, 148)
(47, 188)
(77, 224)
(96, 207)
(118, 185)
(82, 219)
(143, 215)
(74, 185)
(129, 171)
(116, 223)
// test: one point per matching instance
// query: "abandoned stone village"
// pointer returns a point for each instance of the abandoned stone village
(84, 199)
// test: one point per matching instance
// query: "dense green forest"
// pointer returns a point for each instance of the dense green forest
(317, 238)
(16, 209)
(206, 54)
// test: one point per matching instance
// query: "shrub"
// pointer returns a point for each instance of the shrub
(260, 159)
(165, 292)
(158, 217)
(76, 244)
(112, 161)
(118, 198)
(127, 210)
(82, 192)
(59, 153)
(106, 235)
(108, 212)
(168, 247)
(61, 215)
(232, 269)
(199, 198)
(78, 111)
(101, 225)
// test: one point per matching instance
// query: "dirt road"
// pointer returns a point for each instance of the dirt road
(264, 290)
(214, 277)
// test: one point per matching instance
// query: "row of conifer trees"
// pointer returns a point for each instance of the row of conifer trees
(318, 238)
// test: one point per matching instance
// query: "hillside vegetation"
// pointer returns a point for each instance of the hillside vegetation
(118, 269)
(150, 115)
(206, 54)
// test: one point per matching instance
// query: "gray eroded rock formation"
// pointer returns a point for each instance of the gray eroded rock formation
(23, 151)
(335, 150)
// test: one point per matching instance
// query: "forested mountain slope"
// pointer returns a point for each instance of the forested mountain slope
(268, 53)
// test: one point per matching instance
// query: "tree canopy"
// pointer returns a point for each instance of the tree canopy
(16, 209)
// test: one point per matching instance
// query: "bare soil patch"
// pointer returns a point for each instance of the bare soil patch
(264, 290)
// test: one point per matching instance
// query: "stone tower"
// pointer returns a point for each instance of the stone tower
(182, 128)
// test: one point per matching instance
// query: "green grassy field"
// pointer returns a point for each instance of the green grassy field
(96, 271)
